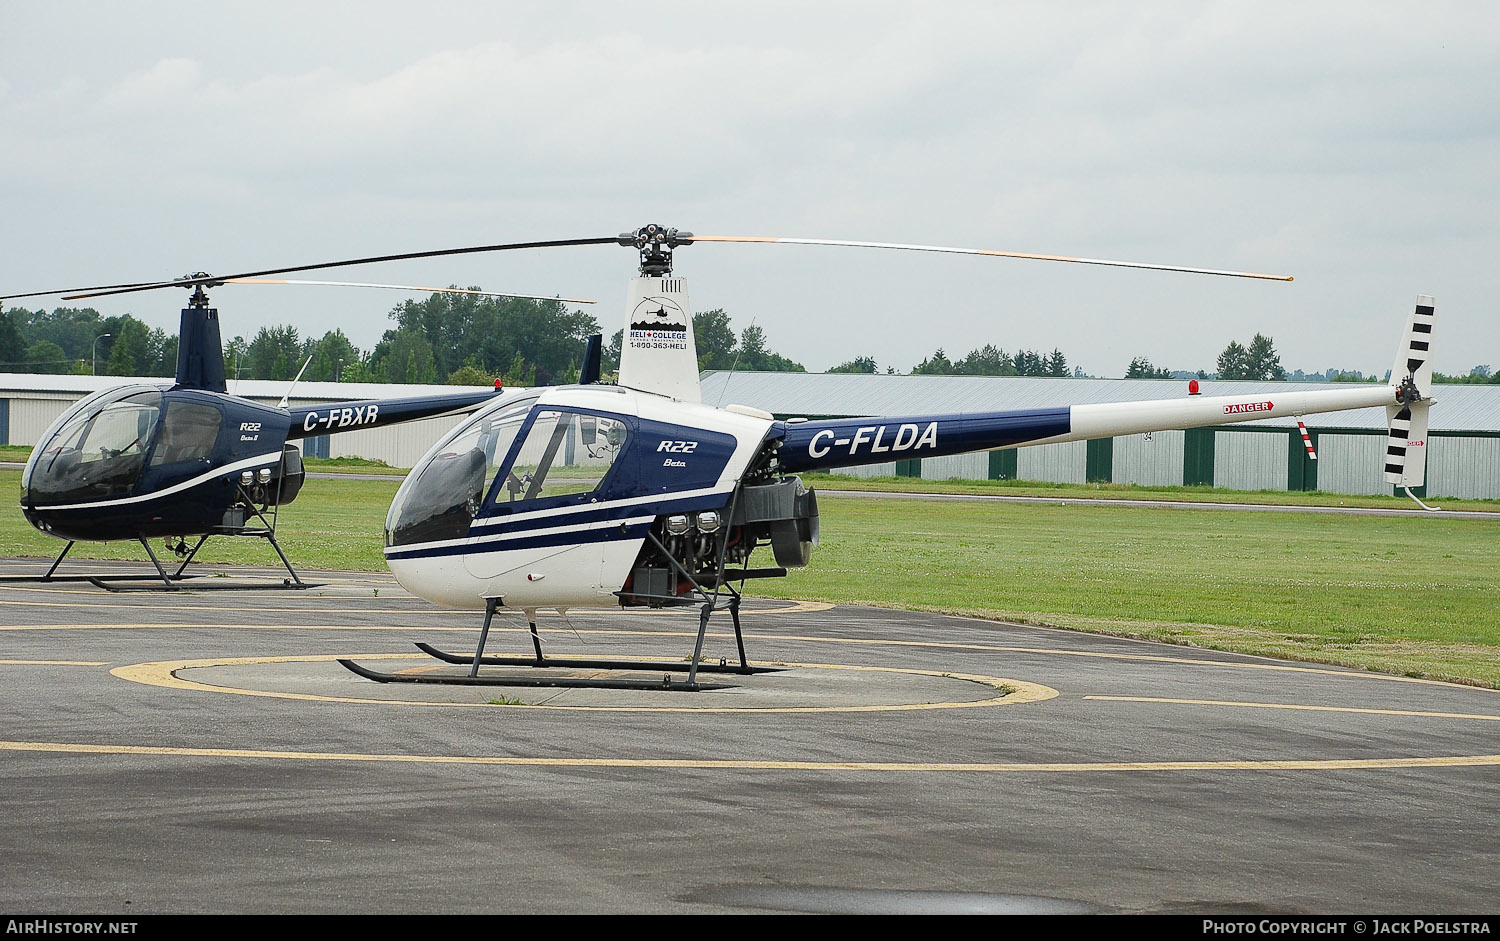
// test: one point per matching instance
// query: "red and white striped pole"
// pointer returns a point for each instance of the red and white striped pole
(1307, 440)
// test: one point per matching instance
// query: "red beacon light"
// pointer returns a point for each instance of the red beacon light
(497, 382)
(1192, 386)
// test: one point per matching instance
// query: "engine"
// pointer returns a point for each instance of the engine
(689, 549)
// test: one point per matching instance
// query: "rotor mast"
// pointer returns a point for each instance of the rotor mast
(658, 354)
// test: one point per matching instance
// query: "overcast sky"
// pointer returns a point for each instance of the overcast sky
(1352, 145)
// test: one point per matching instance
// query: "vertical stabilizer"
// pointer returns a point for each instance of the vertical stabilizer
(593, 357)
(1406, 449)
(200, 351)
(1406, 446)
(657, 352)
(1414, 357)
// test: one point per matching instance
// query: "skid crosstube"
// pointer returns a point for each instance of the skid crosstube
(666, 683)
(723, 666)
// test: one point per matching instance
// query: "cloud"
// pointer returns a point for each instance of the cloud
(1351, 146)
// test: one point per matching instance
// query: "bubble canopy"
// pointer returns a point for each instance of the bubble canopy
(96, 449)
(439, 499)
(514, 454)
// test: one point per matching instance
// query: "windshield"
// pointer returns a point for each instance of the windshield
(439, 498)
(97, 451)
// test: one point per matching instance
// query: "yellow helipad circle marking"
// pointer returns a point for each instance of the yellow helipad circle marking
(1344, 673)
(164, 673)
(1343, 764)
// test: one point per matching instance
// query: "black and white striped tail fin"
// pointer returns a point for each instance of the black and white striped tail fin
(1406, 446)
(1414, 358)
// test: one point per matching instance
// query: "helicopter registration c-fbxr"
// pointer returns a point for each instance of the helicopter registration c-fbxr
(344, 417)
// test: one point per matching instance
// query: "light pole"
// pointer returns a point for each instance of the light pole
(95, 369)
(338, 375)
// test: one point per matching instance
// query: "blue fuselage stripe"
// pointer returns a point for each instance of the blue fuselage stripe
(571, 537)
(495, 534)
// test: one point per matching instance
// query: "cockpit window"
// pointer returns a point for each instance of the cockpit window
(97, 453)
(564, 453)
(441, 497)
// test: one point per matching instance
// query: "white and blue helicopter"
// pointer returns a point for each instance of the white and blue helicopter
(639, 494)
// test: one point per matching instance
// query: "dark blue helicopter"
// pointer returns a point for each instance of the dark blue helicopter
(143, 461)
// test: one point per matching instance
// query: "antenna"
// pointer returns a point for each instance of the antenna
(287, 397)
(724, 389)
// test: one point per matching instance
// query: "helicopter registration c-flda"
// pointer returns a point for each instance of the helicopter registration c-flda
(639, 494)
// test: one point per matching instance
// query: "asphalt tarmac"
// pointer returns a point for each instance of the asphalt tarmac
(204, 751)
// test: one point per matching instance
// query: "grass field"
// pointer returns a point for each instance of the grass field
(1419, 596)
(1406, 595)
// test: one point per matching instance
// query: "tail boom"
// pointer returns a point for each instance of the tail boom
(815, 445)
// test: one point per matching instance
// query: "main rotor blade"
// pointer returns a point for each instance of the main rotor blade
(97, 287)
(987, 251)
(107, 289)
(405, 287)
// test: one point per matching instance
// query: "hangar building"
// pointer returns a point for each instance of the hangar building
(1463, 455)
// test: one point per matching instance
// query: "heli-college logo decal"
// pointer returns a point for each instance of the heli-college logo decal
(657, 315)
(1248, 407)
(657, 323)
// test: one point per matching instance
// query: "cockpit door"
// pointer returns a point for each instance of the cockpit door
(547, 519)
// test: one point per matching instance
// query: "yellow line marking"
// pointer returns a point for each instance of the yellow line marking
(799, 606)
(1298, 706)
(1346, 764)
(426, 669)
(54, 663)
(163, 673)
(1347, 674)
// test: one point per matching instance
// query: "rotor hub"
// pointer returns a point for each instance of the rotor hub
(655, 243)
(1407, 392)
(198, 281)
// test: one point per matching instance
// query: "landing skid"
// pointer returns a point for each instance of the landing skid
(665, 683)
(694, 666)
(162, 581)
(723, 666)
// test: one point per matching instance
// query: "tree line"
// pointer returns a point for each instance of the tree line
(78, 340)
(460, 339)
(471, 340)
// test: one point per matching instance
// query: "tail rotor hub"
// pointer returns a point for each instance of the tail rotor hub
(1407, 392)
